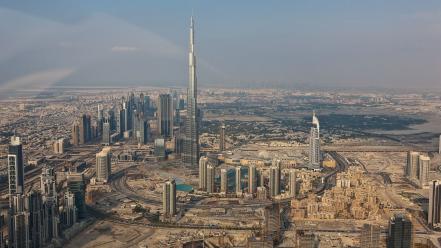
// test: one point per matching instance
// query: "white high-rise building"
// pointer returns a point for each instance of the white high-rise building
(224, 181)
(252, 179)
(169, 198)
(211, 172)
(314, 142)
(434, 213)
(292, 182)
(103, 165)
(203, 162)
(238, 180)
(424, 167)
(412, 165)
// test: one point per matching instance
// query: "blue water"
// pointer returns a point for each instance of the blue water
(184, 187)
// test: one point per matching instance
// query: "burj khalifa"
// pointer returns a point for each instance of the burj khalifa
(191, 141)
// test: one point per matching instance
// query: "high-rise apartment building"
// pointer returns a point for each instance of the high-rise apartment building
(314, 142)
(203, 162)
(412, 165)
(169, 198)
(274, 181)
(238, 180)
(103, 166)
(434, 213)
(75, 133)
(210, 178)
(252, 179)
(15, 166)
(424, 167)
(292, 183)
(222, 138)
(224, 181)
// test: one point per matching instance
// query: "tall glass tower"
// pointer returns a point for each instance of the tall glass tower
(191, 142)
(314, 142)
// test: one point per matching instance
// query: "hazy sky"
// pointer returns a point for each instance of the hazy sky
(354, 43)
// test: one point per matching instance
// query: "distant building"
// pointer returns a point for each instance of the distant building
(15, 166)
(169, 198)
(274, 183)
(85, 129)
(370, 236)
(314, 142)
(293, 183)
(203, 162)
(58, 146)
(238, 180)
(224, 181)
(142, 129)
(103, 165)
(75, 133)
(210, 178)
(222, 138)
(252, 179)
(160, 148)
(434, 213)
(106, 132)
(165, 115)
(262, 193)
(412, 165)
(424, 167)
(400, 234)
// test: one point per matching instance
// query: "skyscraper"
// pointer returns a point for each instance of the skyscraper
(169, 198)
(252, 179)
(75, 133)
(50, 203)
(400, 234)
(370, 236)
(314, 142)
(224, 181)
(222, 138)
(424, 167)
(292, 183)
(15, 166)
(76, 185)
(142, 129)
(100, 117)
(105, 123)
(103, 165)
(191, 142)
(412, 165)
(203, 162)
(85, 129)
(434, 213)
(18, 222)
(70, 211)
(165, 115)
(35, 208)
(238, 180)
(210, 178)
(274, 182)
